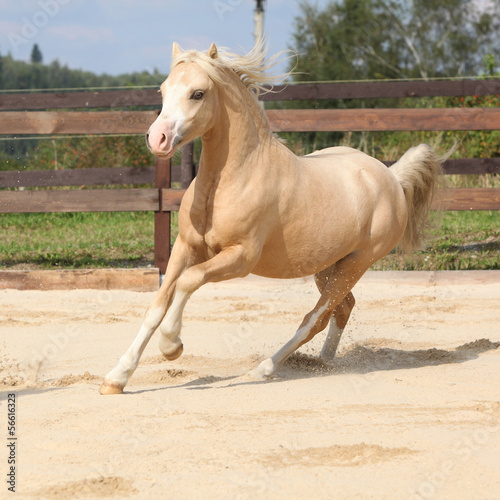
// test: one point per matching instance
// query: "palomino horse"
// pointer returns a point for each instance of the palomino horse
(255, 207)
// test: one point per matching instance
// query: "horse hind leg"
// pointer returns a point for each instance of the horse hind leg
(335, 297)
(338, 322)
(338, 319)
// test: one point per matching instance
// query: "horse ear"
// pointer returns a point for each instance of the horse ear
(176, 50)
(212, 51)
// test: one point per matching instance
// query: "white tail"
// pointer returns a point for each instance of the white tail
(418, 171)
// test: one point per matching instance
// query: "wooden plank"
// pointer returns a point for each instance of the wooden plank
(162, 231)
(116, 200)
(88, 200)
(76, 122)
(342, 120)
(139, 280)
(171, 199)
(77, 177)
(145, 175)
(468, 166)
(432, 278)
(82, 177)
(453, 199)
(82, 99)
(303, 91)
(371, 90)
(282, 120)
(468, 199)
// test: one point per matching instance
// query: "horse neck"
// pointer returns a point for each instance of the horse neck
(241, 131)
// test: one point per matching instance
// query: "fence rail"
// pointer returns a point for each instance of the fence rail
(281, 120)
(305, 91)
(81, 112)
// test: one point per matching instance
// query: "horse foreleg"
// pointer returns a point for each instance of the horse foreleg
(117, 378)
(335, 299)
(230, 263)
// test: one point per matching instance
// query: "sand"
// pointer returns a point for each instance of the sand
(410, 409)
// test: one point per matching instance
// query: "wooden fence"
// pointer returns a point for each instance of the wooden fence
(64, 113)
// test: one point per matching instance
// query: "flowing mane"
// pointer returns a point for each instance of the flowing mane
(250, 68)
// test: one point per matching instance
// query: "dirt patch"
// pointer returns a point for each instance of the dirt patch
(103, 487)
(335, 456)
(72, 379)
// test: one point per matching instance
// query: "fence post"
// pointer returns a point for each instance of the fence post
(187, 165)
(162, 219)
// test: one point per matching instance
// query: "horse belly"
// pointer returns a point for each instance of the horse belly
(299, 253)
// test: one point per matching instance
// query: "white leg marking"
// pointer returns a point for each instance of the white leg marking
(331, 342)
(263, 371)
(269, 366)
(128, 362)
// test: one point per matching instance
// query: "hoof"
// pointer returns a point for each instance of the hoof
(175, 354)
(265, 370)
(107, 388)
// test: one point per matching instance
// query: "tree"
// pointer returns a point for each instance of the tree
(36, 55)
(369, 39)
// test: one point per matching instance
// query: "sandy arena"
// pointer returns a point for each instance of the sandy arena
(411, 408)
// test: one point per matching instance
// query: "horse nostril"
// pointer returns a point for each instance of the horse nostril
(147, 140)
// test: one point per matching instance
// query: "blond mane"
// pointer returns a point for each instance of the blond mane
(250, 68)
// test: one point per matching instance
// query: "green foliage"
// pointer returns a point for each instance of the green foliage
(373, 39)
(36, 55)
(91, 152)
(387, 39)
(21, 75)
(77, 152)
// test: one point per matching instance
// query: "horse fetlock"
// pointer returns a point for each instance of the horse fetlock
(115, 381)
(171, 349)
(265, 370)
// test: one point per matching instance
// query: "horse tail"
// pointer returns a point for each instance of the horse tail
(419, 171)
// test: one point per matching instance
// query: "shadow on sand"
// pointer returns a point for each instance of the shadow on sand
(356, 360)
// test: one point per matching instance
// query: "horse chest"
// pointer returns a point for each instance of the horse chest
(210, 220)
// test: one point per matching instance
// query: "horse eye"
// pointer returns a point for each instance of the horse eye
(197, 95)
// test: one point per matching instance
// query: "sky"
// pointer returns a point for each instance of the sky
(124, 36)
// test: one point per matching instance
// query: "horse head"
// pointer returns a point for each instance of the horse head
(189, 101)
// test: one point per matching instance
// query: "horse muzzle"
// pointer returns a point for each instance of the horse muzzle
(163, 141)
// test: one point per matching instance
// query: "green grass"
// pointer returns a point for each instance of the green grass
(465, 240)
(76, 240)
(462, 240)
